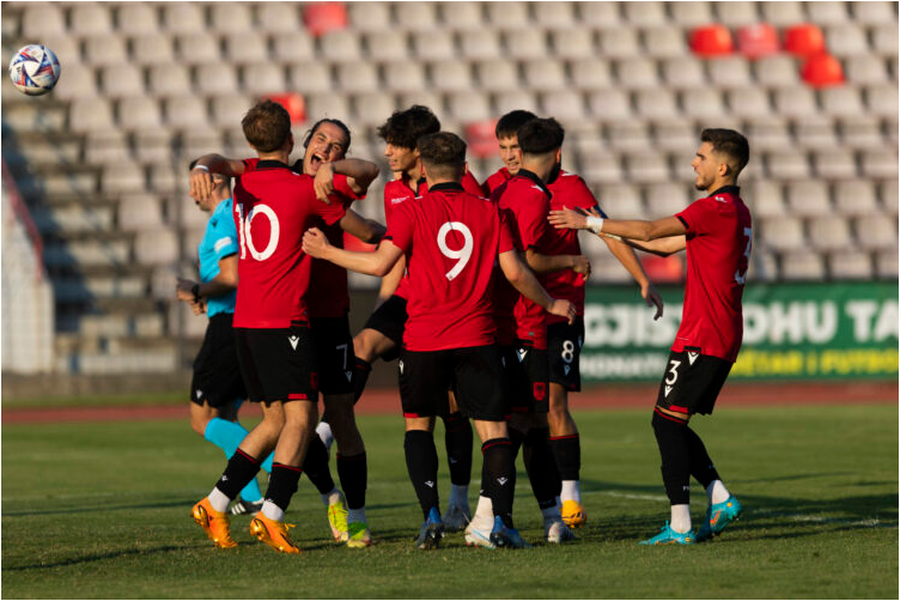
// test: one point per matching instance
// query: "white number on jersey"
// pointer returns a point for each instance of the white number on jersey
(462, 255)
(246, 238)
(741, 276)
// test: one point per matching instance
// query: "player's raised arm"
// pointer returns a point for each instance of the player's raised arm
(635, 229)
(360, 174)
(524, 281)
(201, 182)
(367, 230)
(377, 263)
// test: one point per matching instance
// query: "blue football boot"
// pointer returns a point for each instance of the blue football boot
(667, 536)
(718, 516)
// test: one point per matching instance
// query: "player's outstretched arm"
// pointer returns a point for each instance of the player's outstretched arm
(524, 281)
(662, 247)
(201, 175)
(378, 263)
(635, 229)
(541, 263)
(391, 281)
(632, 265)
(367, 230)
(360, 174)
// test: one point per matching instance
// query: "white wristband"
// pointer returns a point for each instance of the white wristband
(204, 167)
(595, 224)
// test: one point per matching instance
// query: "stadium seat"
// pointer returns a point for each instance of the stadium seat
(866, 69)
(711, 40)
(886, 264)
(507, 15)
(735, 14)
(153, 49)
(804, 39)
(123, 178)
(525, 43)
(80, 82)
(216, 78)
(139, 211)
(676, 135)
(729, 71)
(815, 131)
(263, 78)
(575, 43)
(122, 80)
(619, 42)
(647, 167)
(230, 17)
(888, 195)
(849, 265)
(873, 13)
(822, 70)
(763, 266)
(340, 46)
(846, 39)
(874, 232)
(66, 48)
(371, 108)
(757, 40)
(106, 49)
(328, 105)
(776, 71)
(609, 104)
(590, 74)
(422, 96)
(386, 46)
(765, 198)
(479, 44)
(137, 18)
(554, 15)
(855, 197)
(404, 76)
(544, 74)
(416, 16)
(467, 106)
(656, 104)
(86, 114)
(830, 232)
(749, 102)
(841, 101)
(802, 265)
(139, 112)
(450, 75)
(369, 16)
(186, 111)
(631, 134)
(645, 14)
(565, 105)
(183, 17)
(702, 103)
(163, 178)
(105, 146)
(781, 233)
(90, 19)
(683, 72)
(200, 141)
(198, 47)
(497, 74)
(826, 13)
(782, 14)
(357, 77)
(229, 109)
(600, 167)
(881, 100)
(246, 47)
(884, 39)
(666, 199)
(637, 73)
(43, 19)
(320, 18)
(169, 80)
(433, 45)
(691, 14)
(158, 246)
(786, 165)
(620, 201)
(664, 42)
(277, 17)
(880, 164)
(293, 46)
(512, 100)
(795, 101)
(463, 16)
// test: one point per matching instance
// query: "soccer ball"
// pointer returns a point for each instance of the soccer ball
(34, 69)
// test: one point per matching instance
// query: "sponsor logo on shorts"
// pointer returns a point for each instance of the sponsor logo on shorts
(522, 352)
(567, 369)
(294, 340)
(692, 356)
(400, 365)
(668, 390)
(199, 394)
(429, 483)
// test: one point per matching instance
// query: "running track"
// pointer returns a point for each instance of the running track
(601, 397)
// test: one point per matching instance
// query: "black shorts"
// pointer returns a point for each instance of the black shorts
(526, 378)
(278, 364)
(390, 319)
(692, 382)
(217, 378)
(475, 374)
(333, 346)
(564, 343)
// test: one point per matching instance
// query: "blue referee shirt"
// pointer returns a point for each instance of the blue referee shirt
(219, 241)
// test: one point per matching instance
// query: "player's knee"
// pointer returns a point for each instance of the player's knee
(365, 344)
(198, 425)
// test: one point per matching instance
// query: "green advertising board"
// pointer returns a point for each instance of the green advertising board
(791, 331)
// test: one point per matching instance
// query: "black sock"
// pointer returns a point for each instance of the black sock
(541, 467)
(458, 438)
(567, 450)
(702, 467)
(283, 484)
(353, 473)
(361, 371)
(241, 469)
(516, 439)
(499, 476)
(316, 466)
(676, 458)
(422, 464)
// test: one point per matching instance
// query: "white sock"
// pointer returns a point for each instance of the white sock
(324, 432)
(551, 513)
(272, 511)
(570, 491)
(357, 515)
(717, 492)
(332, 497)
(219, 500)
(681, 518)
(459, 495)
(484, 512)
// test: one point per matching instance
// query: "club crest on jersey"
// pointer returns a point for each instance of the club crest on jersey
(294, 340)
(540, 391)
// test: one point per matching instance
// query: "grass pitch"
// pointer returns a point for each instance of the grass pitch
(101, 510)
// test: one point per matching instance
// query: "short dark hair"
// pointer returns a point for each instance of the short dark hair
(540, 136)
(315, 127)
(404, 128)
(729, 142)
(508, 125)
(267, 126)
(444, 154)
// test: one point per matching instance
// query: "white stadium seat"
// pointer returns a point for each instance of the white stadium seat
(778, 70)
(528, 43)
(105, 49)
(664, 42)
(736, 14)
(645, 14)
(310, 77)
(122, 80)
(565, 105)
(841, 101)
(730, 71)
(590, 74)
(599, 14)
(783, 13)
(137, 18)
(371, 108)
(386, 46)
(139, 212)
(89, 18)
(229, 109)
(462, 16)
(834, 164)
(826, 13)
(230, 17)
(480, 44)
(618, 42)
(198, 47)
(450, 75)
(293, 46)
(404, 76)
(873, 13)
(369, 16)
(683, 72)
(544, 74)
(702, 103)
(433, 45)
(153, 49)
(691, 14)
(852, 265)
(802, 265)
(781, 233)
(186, 111)
(554, 15)
(830, 232)
(43, 19)
(866, 69)
(609, 104)
(139, 112)
(656, 104)
(183, 17)
(216, 78)
(497, 74)
(786, 165)
(246, 46)
(278, 17)
(416, 16)
(122, 178)
(637, 73)
(574, 43)
(846, 39)
(357, 77)
(105, 146)
(874, 232)
(507, 15)
(86, 114)
(263, 78)
(468, 106)
(341, 45)
(169, 80)
(79, 82)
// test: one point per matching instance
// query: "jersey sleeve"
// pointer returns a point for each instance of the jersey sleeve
(249, 164)
(342, 187)
(330, 213)
(224, 238)
(401, 226)
(532, 219)
(508, 239)
(699, 217)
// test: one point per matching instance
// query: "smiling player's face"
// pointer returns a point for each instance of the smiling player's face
(510, 153)
(328, 143)
(400, 158)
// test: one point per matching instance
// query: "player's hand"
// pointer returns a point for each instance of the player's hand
(582, 266)
(183, 289)
(652, 297)
(199, 307)
(315, 244)
(201, 184)
(323, 183)
(567, 218)
(562, 308)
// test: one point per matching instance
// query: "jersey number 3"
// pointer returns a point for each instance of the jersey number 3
(462, 255)
(740, 276)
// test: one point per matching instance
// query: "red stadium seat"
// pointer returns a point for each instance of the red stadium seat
(759, 39)
(668, 270)
(805, 39)
(822, 70)
(322, 17)
(294, 103)
(480, 138)
(712, 40)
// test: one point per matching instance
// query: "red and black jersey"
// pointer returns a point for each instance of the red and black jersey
(273, 208)
(452, 240)
(719, 238)
(500, 177)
